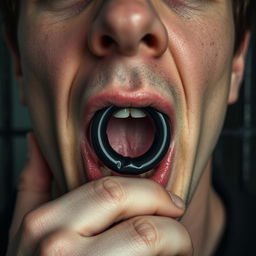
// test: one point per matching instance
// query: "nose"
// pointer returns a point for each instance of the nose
(126, 27)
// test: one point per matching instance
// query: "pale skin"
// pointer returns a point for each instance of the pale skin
(192, 67)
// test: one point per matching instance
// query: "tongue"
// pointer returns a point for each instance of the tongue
(130, 136)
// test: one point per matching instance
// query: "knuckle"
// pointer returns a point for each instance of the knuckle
(109, 189)
(156, 188)
(57, 244)
(32, 224)
(146, 233)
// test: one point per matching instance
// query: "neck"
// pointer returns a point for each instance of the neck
(205, 216)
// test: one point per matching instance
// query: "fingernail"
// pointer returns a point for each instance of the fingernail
(177, 200)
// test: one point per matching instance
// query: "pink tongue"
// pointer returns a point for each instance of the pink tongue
(130, 136)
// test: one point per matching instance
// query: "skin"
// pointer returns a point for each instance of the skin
(58, 64)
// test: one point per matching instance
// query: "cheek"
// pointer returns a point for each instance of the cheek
(52, 49)
(43, 59)
(202, 50)
(204, 56)
(50, 59)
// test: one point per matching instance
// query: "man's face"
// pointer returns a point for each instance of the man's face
(78, 56)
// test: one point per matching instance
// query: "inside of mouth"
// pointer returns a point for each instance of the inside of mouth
(131, 137)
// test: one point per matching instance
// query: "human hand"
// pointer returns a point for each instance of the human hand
(109, 216)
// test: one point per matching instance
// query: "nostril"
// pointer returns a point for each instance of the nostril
(123, 27)
(150, 40)
(107, 41)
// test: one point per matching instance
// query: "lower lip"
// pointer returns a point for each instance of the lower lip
(163, 171)
(92, 166)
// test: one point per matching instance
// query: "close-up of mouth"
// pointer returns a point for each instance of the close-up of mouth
(129, 137)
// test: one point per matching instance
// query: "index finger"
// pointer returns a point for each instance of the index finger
(95, 206)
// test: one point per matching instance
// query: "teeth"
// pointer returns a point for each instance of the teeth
(123, 113)
(136, 113)
(126, 112)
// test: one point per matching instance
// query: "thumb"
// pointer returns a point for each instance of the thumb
(34, 186)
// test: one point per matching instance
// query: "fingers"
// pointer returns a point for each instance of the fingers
(62, 242)
(144, 235)
(34, 186)
(95, 206)
(85, 213)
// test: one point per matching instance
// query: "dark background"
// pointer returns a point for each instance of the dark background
(235, 156)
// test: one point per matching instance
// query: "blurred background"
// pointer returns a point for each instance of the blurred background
(234, 158)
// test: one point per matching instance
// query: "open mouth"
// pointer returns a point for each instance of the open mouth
(131, 133)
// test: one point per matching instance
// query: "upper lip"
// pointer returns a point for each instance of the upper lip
(128, 99)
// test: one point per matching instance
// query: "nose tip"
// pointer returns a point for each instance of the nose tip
(125, 27)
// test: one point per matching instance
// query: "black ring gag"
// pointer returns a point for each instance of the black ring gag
(128, 165)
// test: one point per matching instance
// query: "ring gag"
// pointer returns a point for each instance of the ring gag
(127, 165)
